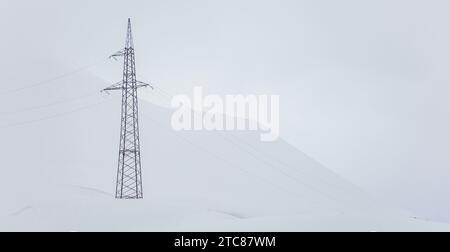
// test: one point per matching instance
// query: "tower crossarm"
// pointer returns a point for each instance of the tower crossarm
(119, 86)
(120, 53)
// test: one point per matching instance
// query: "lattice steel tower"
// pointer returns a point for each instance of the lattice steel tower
(129, 175)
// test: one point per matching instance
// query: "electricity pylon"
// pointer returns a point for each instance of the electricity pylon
(129, 175)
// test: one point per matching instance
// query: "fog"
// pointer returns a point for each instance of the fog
(363, 85)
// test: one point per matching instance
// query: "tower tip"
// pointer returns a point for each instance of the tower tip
(129, 42)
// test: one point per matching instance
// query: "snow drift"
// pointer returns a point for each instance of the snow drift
(59, 170)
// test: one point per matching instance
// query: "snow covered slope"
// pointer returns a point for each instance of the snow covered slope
(58, 174)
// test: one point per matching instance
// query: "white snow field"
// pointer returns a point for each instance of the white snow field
(58, 173)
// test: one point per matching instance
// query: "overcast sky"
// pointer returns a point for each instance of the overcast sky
(364, 85)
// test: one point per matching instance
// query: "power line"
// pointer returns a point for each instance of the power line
(294, 179)
(162, 91)
(48, 105)
(52, 116)
(232, 164)
(267, 155)
(45, 82)
(268, 164)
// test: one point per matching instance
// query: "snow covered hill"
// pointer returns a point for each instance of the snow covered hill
(59, 169)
